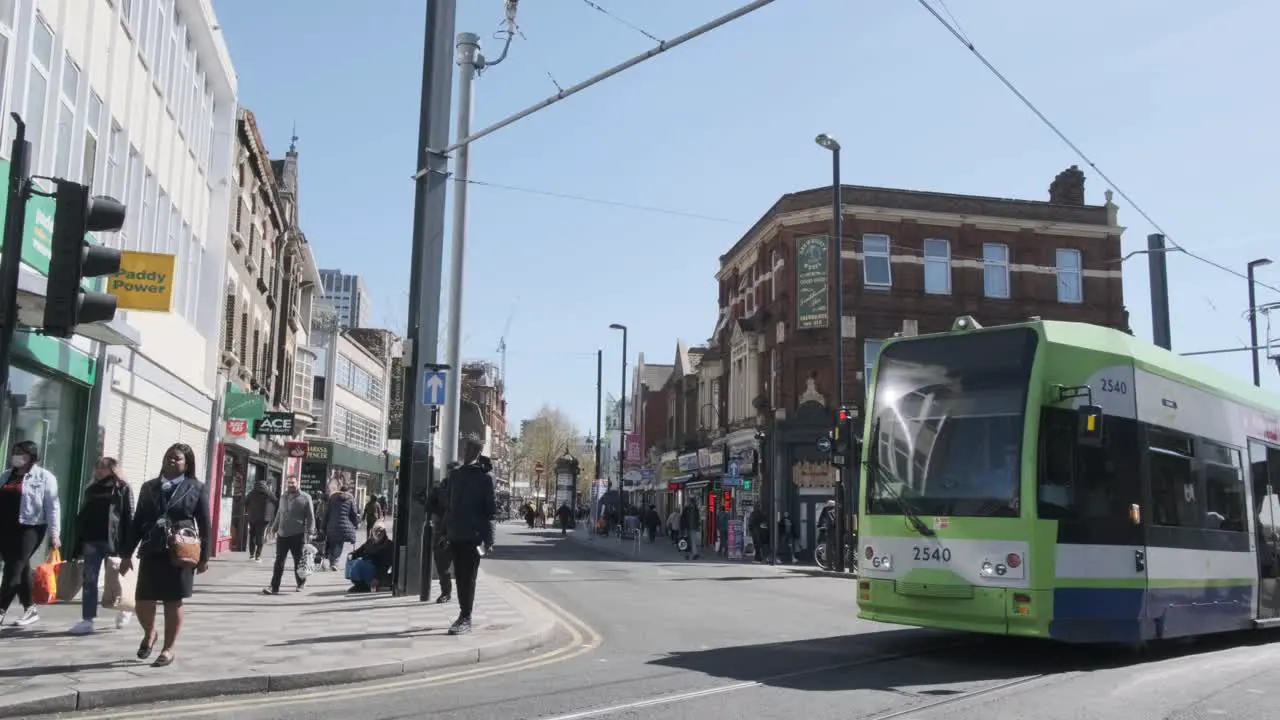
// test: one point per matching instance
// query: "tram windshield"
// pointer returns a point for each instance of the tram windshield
(949, 413)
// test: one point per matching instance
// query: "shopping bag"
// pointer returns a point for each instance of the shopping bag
(117, 589)
(44, 586)
(70, 580)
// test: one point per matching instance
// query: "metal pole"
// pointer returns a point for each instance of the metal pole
(599, 409)
(1157, 264)
(622, 413)
(1253, 329)
(626, 64)
(424, 284)
(11, 259)
(837, 230)
(469, 60)
(769, 464)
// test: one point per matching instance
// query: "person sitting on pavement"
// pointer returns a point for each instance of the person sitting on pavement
(469, 514)
(371, 562)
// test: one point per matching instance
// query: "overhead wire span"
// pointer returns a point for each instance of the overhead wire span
(963, 39)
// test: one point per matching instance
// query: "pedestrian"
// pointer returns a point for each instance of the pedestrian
(293, 525)
(372, 515)
(442, 559)
(102, 533)
(652, 521)
(371, 562)
(29, 512)
(469, 513)
(173, 505)
(691, 528)
(755, 521)
(340, 522)
(260, 508)
(673, 525)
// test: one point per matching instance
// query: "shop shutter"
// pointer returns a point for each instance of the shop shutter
(113, 426)
(165, 431)
(197, 438)
(134, 444)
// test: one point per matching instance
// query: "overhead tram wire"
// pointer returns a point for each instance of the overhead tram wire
(963, 40)
(633, 26)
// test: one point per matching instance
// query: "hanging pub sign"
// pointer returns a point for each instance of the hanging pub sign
(296, 449)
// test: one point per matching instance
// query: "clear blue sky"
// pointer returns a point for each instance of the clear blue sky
(1170, 99)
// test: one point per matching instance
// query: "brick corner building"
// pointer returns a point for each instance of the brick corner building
(912, 262)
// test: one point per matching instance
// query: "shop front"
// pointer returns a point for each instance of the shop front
(330, 465)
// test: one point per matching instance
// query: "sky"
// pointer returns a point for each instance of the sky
(1168, 98)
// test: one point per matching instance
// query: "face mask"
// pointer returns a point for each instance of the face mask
(18, 461)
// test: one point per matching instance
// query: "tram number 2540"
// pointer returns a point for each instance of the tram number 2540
(931, 554)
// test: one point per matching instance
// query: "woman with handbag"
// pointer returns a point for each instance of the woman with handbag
(171, 533)
(29, 512)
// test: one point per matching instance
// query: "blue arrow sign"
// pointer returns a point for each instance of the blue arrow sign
(734, 468)
(433, 387)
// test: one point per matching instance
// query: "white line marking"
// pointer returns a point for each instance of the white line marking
(561, 571)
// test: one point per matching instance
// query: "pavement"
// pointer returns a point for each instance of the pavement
(236, 640)
(656, 636)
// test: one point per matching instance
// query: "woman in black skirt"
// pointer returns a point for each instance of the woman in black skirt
(174, 500)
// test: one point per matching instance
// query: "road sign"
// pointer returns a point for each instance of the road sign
(838, 460)
(734, 468)
(824, 444)
(731, 481)
(538, 468)
(433, 387)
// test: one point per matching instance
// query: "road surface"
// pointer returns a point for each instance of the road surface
(707, 640)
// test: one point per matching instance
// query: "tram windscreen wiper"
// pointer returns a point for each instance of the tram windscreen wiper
(883, 479)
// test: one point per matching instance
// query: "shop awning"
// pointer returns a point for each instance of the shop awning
(31, 294)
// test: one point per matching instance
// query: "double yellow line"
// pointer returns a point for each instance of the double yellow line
(582, 640)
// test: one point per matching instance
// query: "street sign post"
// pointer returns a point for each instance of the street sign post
(434, 384)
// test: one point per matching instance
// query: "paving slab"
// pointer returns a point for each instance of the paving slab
(235, 640)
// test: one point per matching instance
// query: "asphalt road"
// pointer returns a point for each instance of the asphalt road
(705, 640)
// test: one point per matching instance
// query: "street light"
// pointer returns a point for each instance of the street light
(837, 233)
(1253, 320)
(622, 418)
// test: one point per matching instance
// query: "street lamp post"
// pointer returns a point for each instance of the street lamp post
(622, 419)
(1253, 320)
(837, 325)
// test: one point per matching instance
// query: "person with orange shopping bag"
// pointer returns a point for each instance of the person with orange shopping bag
(29, 512)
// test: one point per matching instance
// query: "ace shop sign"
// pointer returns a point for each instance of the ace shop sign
(275, 423)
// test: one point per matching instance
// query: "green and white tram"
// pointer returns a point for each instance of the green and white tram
(1066, 481)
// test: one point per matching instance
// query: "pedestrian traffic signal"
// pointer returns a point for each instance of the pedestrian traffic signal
(72, 259)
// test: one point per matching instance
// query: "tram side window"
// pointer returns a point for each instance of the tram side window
(1224, 492)
(1173, 480)
(1086, 483)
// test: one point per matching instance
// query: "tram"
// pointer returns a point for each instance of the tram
(1066, 481)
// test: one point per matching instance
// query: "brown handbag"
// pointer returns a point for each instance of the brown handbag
(184, 548)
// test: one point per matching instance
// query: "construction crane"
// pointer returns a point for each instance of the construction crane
(502, 341)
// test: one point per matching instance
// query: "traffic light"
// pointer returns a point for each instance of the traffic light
(842, 437)
(72, 258)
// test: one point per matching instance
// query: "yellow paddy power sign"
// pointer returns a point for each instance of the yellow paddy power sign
(145, 281)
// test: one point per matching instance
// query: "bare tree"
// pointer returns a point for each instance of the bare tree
(544, 439)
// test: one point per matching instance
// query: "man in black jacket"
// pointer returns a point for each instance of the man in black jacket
(442, 558)
(468, 520)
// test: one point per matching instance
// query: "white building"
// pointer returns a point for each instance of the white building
(348, 296)
(137, 98)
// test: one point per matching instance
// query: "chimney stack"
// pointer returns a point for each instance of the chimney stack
(1068, 187)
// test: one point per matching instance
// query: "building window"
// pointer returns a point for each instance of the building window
(353, 429)
(229, 323)
(1070, 282)
(870, 352)
(6, 35)
(66, 118)
(114, 182)
(876, 271)
(38, 88)
(92, 126)
(162, 222)
(937, 266)
(133, 193)
(172, 64)
(146, 240)
(164, 8)
(995, 270)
